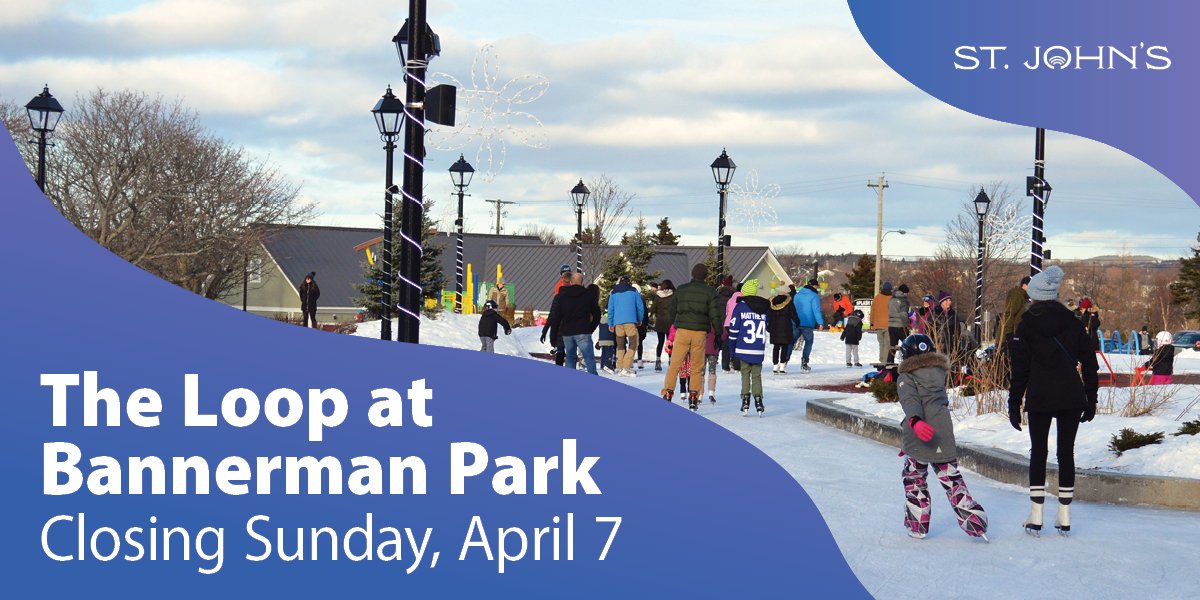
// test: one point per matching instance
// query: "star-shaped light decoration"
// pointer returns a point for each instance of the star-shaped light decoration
(487, 116)
(752, 205)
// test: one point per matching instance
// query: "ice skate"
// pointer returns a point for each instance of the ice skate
(858, 364)
(916, 535)
(745, 404)
(1063, 521)
(775, 369)
(849, 365)
(1033, 523)
(658, 366)
(694, 401)
(758, 405)
(804, 368)
(711, 398)
(783, 368)
(667, 393)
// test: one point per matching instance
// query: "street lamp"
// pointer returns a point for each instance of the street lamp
(982, 204)
(879, 257)
(460, 175)
(1039, 189)
(387, 118)
(44, 113)
(579, 197)
(722, 169)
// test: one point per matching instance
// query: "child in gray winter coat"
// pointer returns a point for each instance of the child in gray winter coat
(927, 437)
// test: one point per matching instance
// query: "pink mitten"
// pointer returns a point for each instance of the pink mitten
(923, 430)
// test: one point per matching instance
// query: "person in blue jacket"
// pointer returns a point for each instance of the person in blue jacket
(625, 310)
(748, 338)
(808, 308)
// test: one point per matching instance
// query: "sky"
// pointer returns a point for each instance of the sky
(647, 93)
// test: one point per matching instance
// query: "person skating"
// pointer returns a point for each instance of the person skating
(852, 335)
(897, 320)
(808, 309)
(556, 340)
(662, 301)
(685, 368)
(575, 314)
(1054, 378)
(879, 319)
(780, 321)
(625, 311)
(927, 438)
(693, 313)
(643, 328)
(747, 331)
(726, 298)
(712, 356)
(607, 343)
(490, 320)
(728, 360)
(309, 293)
(1162, 362)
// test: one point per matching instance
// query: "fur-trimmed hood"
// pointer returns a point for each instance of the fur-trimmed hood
(780, 301)
(921, 361)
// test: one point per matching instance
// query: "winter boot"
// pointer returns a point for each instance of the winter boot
(667, 393)
(1063, 522)
(745, 404)
(849, 365)
(1033, 523)
(658, 365)
(694, 401)
(758, 405)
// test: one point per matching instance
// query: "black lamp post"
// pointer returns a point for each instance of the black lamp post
(460, 175)
(579, 197)
(982, 204)
(1039, 189)
(387, 118)
(44, 113)
(722, 169)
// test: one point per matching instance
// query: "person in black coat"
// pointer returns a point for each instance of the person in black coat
(309, 293)
(1054, 371)
(780, 321)
(575, 315)
(489, 321)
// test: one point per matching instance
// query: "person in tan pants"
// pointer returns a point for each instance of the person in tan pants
(694, 313)
(625, 310)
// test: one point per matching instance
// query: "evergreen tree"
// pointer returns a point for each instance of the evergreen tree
(639, 251)
(432, 278)
(861, 280)
(614, 267)
(1186, 291)
(710, 261)
(665, 237)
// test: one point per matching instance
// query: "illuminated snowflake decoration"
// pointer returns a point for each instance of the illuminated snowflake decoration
(752, 205)
(488, 117)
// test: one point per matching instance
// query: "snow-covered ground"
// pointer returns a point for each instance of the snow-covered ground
(1113, 551)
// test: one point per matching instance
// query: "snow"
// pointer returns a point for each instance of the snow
(460, 331)
(1113, 551)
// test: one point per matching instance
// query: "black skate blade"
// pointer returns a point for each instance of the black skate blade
(1034, 530)
(1064, 530)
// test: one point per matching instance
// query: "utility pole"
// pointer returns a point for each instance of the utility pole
(879, 187)
(499, 210)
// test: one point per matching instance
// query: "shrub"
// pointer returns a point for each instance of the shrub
(884, 391)
(1129, 439)
(1189, 428)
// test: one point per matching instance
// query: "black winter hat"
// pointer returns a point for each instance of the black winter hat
(312, 275)
(903, 288)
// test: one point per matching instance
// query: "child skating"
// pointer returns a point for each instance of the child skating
(748, 337)
(927, 436)
(686, 367)
(852, 335)
(489, 321)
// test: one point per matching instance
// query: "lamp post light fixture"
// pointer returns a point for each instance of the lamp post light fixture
(982, 204)
(387, 114)
(722, 168)
(579, 198)
(879, 257)
(460, 175)
(44, 112)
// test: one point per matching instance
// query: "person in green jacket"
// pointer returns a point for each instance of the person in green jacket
(1015, 305)
(693, 313)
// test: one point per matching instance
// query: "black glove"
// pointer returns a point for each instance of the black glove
(543, 337)
(1089, 413)
(508, 332)
(1014, 418)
